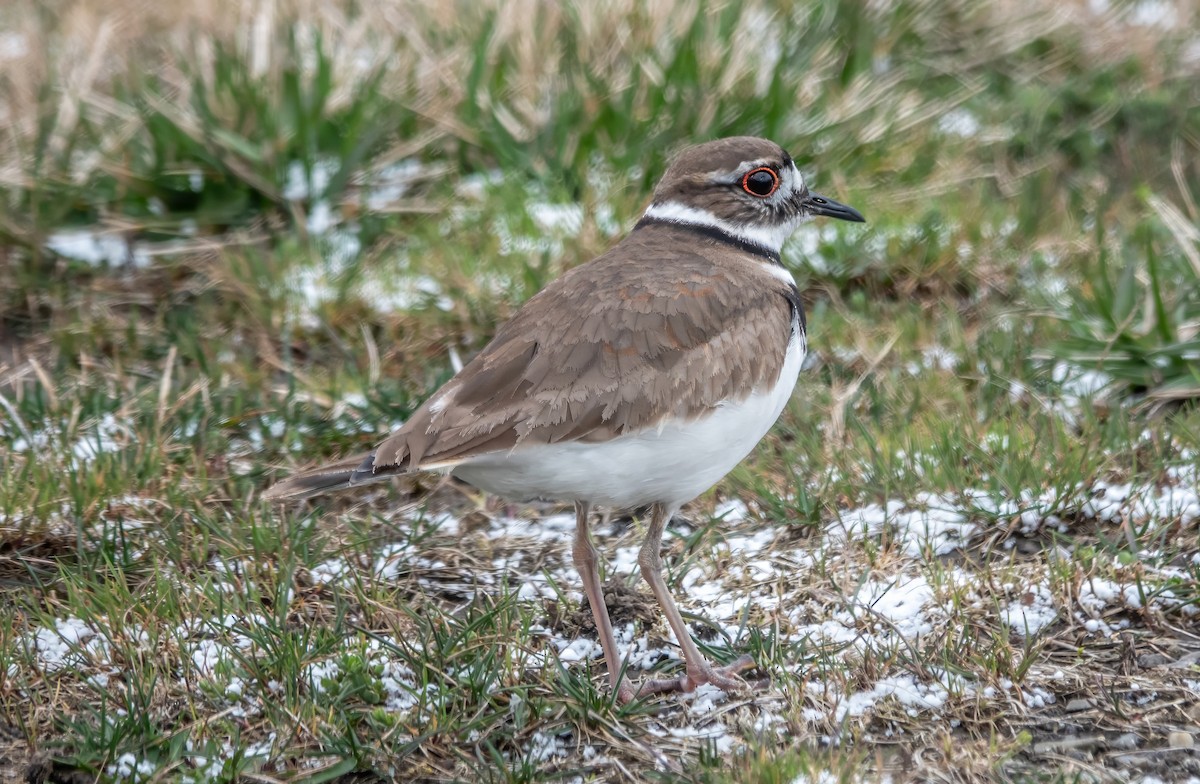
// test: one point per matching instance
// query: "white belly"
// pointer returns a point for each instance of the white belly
(672, 465)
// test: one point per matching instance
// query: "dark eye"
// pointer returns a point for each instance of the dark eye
(760, 182)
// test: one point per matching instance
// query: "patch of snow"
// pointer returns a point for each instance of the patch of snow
(1112, 502)
(96, 248)
(1154, 13)
(543, 747)
(939, 358)
(1037, 697)
(1077, 386)
(959, 122)
(900, 601)
(819, 777)
(68, 644)
(321, 219)
(209, 762)
(330, 571)
(733, 510)
(715, 734)
(388, 185)
(561, 219)
(299, 184)
(904, 688)
(705, 700)
(941, 527)
(108, 434)
(13, 45)
(580, 649)
(1030, 613)
(475, 186)
(128, 767)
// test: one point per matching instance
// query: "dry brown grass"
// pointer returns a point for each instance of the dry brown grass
(81, 51)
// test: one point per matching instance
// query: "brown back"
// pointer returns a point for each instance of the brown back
(665, 325)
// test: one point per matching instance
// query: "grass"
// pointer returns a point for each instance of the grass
(235, 239)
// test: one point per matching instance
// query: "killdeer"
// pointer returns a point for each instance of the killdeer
(638, 379)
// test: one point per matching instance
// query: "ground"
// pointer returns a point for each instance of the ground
(236, 239)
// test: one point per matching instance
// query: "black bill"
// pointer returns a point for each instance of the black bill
(822, 205)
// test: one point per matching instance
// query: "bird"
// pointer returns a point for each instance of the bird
(635, 380)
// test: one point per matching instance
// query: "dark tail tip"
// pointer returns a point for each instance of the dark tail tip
(301, 486)
(341, 475)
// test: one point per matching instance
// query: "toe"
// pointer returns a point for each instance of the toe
(660, 686)
(726, 678)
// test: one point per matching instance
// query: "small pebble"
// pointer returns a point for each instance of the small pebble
(1126, 742)
(1137, 760)
(1068, 743)
(1078, 704)
(1180, 740)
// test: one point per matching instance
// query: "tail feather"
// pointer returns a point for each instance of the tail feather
(331, 477)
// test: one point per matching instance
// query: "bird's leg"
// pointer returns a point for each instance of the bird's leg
(698, 670)
(584, 554)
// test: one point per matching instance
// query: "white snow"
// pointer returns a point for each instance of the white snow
(129, 768)
(959, 122)
(96, 248)
(67, 644)
(900, 601)
(904, 688)
(562, 219)
(940, 524)
(1030, 613)
(13, 45)
(108, 434)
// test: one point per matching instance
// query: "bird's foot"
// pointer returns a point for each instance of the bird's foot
(725, 678)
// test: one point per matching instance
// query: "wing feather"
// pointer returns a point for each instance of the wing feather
(605, 350)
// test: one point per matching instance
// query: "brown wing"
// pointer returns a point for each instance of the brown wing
(608, 348)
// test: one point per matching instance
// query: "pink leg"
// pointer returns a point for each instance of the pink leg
(698, 670)
(584, 554)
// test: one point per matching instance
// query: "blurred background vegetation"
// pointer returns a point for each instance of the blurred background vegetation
(264, 191)
(1027, 135)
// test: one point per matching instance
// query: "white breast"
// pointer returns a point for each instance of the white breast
(673, 464)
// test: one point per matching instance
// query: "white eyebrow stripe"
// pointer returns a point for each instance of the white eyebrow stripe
(735, 174)
(799, 183)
